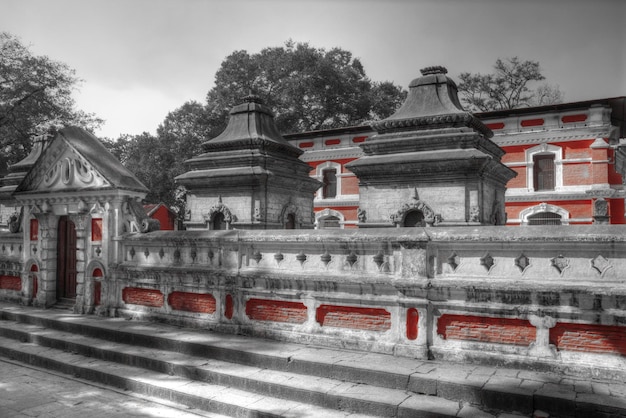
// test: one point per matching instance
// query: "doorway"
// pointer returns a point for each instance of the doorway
(66, 259)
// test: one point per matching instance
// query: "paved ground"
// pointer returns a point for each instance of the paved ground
(27, 392)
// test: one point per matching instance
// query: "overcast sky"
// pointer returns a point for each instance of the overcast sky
(141, 59)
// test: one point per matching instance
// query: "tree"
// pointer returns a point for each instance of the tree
(35, 98)
(507, 88)
(307, 88)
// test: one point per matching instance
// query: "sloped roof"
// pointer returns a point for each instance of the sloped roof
(93, 152)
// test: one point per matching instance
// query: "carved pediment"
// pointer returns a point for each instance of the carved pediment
(70, 172)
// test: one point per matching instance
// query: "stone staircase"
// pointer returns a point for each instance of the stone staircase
(241, 376)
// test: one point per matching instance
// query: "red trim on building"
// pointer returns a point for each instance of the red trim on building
(306, 144)
(532, 122)
(359, 139)
(412, 319)
(229, 306)
(34, 229)
(574, 118)
(332, 142)
(495, 126)
(96, 229)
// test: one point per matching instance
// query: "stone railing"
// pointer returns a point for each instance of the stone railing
(545, 297)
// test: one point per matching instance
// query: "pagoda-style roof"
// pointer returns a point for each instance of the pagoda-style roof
(251, 126)
(432, 103)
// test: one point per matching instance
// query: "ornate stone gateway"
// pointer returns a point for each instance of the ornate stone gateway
(77, 199)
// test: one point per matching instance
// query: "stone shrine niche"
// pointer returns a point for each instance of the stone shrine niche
(219, 217)
(415, 213)
(433, 145)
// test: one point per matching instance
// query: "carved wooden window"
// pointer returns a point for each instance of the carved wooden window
(543, 173)
(544, 218)
(329, 178)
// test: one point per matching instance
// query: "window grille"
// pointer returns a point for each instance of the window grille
(544, 218)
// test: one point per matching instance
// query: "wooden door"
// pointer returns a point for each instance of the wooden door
(66, 259)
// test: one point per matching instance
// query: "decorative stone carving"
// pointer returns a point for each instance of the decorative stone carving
(289, 209)
(361, 215)
(72, 172)
(430, 218)
(522, 262)
(601, 211)
(560, 263)
(601, 264)
(15, 221)
(487, 261)
(139, 221)
(220, 207)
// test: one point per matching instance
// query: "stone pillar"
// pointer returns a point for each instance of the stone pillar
(80, 222)
(48, 229)
(542, 347)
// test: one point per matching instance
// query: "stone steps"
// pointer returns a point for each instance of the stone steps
(293, 376)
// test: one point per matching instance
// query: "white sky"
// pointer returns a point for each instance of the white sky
(141, 59)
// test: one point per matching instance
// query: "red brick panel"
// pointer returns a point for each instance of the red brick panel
(144, 297)
(412, 318)
(350, 185)
(10, 282)
(532, 122)
(276, 311)
(495, 126)
(483, 329)
(589, 338)
(371, 319)
(192, 302)
(577, 174)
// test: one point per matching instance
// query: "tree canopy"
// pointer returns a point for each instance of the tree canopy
(307, 88)
(508, 87)
(35, 98)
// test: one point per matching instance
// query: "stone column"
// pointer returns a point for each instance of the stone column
(47, 294)
(80, 222)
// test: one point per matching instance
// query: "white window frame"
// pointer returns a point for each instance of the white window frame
(544, 207)
(558, 167)
(319, 175)
(326, 213)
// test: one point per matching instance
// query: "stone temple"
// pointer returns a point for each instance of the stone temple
(430, 276)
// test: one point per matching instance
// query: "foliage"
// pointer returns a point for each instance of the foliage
(35, 98)
(157, 160)
(507, 88)
(307, 88)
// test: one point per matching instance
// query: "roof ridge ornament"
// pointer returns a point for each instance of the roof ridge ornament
(435, 69)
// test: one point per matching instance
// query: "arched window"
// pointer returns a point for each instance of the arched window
(544, 214)
(543, 172)
(544, 218)
(414, 218)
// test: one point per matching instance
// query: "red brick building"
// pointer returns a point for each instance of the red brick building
(563, 155)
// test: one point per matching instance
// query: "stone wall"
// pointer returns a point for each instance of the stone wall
(537, 297)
